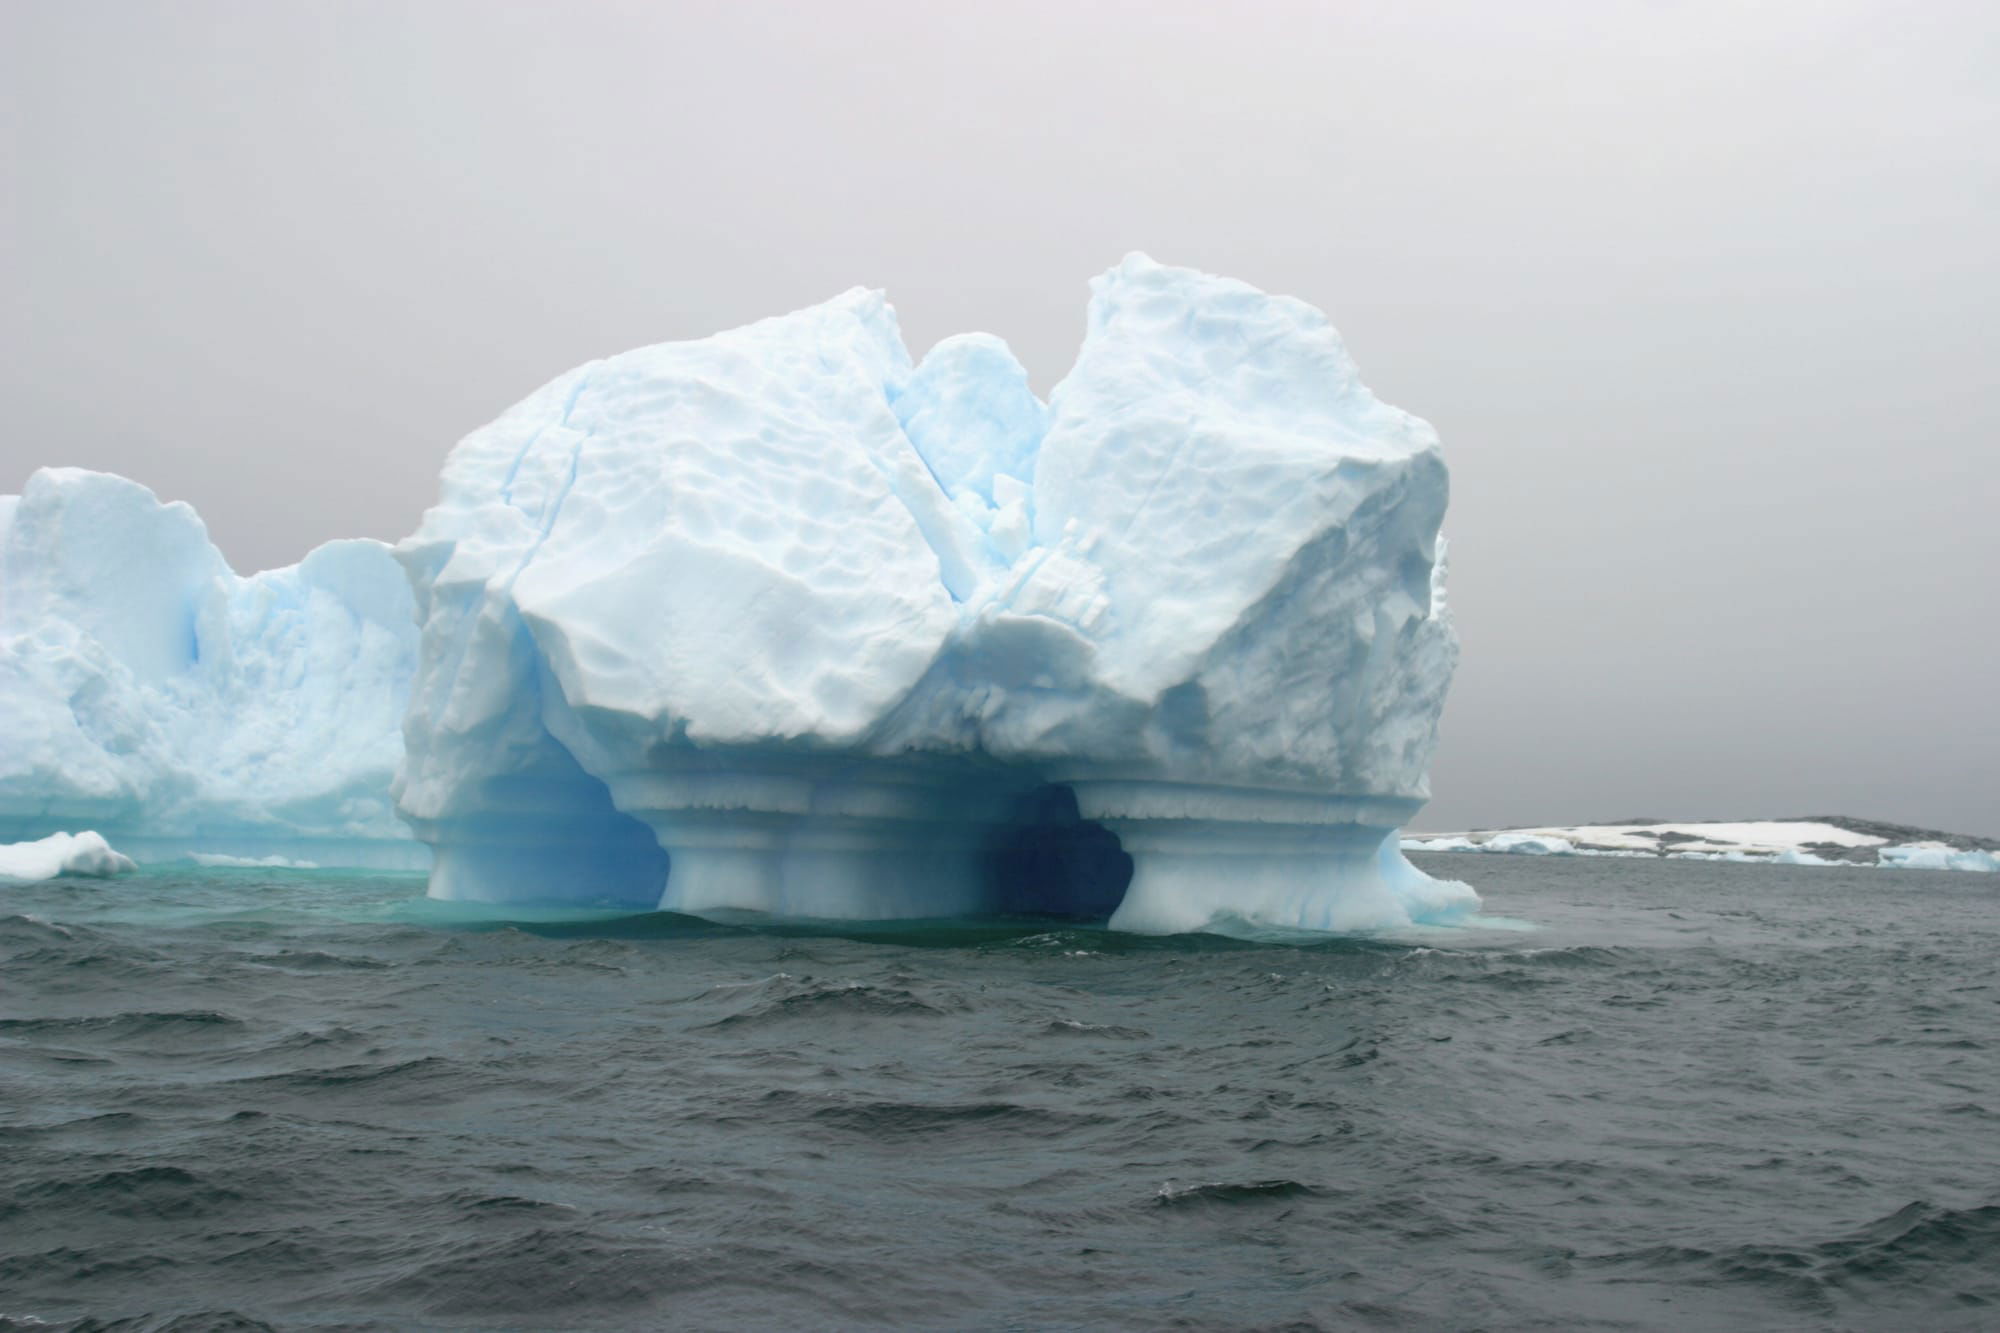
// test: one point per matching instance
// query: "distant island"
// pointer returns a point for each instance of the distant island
(1813, 840)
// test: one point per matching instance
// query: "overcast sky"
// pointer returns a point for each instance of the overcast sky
(1701, 297)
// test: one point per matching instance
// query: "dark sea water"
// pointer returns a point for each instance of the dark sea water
(1643, 1095)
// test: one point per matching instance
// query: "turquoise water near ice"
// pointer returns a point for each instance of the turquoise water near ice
(1646, 1095)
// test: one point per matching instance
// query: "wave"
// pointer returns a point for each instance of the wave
(1954, 1253)
(815, 1001)
(153, 1193)
(1071, 1027)
(1227, 1194)
(405, 1077)
(145, 1026)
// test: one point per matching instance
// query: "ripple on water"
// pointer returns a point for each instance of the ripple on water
(1695, 1096)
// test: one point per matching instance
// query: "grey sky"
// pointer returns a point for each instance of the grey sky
(1700, 296)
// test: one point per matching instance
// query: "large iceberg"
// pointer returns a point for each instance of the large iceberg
(778, 621)
(149, 692)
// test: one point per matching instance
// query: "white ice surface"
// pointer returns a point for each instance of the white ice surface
(85, 853)
(1444, 844)
(815, 621)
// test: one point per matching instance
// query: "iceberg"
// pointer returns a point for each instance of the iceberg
(782, 621)
(1530, 844)
(1799, 856)
(1937, 856)
(1445, 844)
(85, 853)
(149, 692)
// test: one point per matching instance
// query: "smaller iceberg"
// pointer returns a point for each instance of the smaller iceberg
(85, 853)
(150, 692)
(1531, 844)
(1799, 856)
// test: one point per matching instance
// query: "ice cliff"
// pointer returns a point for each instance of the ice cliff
(779, 621)
(149, 692)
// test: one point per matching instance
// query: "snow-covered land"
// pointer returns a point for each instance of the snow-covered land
(1806, 842)
(778, 620)
(85, 853)
(149, 692)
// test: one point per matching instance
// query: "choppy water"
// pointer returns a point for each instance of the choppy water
(1692, 1096)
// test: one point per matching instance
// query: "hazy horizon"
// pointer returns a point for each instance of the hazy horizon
(1698, 298)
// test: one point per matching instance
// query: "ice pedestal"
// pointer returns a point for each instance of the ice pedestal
(1205, 856)
(813, 866)
(836, 840)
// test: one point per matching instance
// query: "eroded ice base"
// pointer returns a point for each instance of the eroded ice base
(840, 839)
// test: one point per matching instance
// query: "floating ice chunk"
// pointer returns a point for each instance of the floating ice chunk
(1439, 845)
(1529, 844)
(85, 853)
(1799, 856)
(1936, 856)
(223, 859)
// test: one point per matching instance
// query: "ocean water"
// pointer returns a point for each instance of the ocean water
(1637, 1095)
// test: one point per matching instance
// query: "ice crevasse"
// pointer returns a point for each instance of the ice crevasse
(779, 621)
